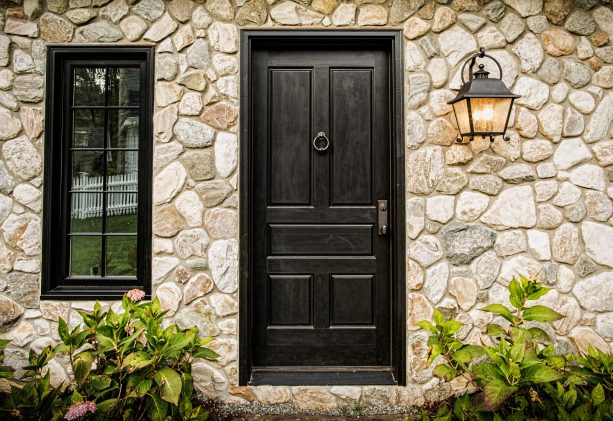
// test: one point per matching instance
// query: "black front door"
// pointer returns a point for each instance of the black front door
(321, 208)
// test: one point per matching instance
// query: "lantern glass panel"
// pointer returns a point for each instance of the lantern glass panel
(489, 114)
(460, 109)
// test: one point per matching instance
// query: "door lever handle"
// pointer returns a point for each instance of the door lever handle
(382, 216)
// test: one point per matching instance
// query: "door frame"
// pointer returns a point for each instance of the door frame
(392, 41)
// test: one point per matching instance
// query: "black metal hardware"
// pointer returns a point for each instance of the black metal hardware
(382, 216)
(321, 142)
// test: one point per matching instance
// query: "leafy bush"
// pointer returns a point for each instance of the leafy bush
(519, 377)
(125, 367)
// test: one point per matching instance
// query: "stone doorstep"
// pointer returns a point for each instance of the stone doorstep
(317, 418)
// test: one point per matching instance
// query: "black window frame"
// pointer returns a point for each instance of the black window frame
(55, 282)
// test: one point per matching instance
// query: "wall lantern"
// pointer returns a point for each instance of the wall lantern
(483, 105)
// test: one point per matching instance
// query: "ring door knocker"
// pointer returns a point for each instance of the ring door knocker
(321, 142)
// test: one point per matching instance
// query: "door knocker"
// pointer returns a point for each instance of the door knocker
(321, 142)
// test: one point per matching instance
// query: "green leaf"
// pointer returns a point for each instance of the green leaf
(137, 360)
(538, 293)
(99, 382)
(141, 388)
(438, 317)
(63, 331)
(188, 385)
(107, 405)
(443, 371)
(203, 352)
(598, 395)
(499, 309)
(427, 326)
(75, 397)
(540, 373)
(82, 365)
(495, 393)
(516, 294)
(539, 334)
(541, 314)
(467, 353)
(517, 351)
(169, 383)
(462, 406)
(495, 330)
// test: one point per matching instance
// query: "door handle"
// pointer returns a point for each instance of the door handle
(382, 216)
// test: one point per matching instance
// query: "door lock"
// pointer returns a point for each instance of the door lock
(382, 216)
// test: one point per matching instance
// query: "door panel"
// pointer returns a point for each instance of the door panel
(321, 273)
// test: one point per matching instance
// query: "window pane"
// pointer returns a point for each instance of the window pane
(88, 128)
(121, 256)
(89, 85)
(85, 256)
(121, 211)
(124, 85)
(123, 128)
(122, 170)
(87, 170)
(86, 212)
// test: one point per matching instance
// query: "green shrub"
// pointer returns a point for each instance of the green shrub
(125, 367)
(520, 377)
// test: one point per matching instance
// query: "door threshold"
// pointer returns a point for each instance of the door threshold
(323, 376)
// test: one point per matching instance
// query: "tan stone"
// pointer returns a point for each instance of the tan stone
(465, 290)
(167, 222)
(558, 42)
(418, 309)
(312, 398)
(220, 116)
(583, 337)
(33, 121)
(221, 223)
(197, 287)
(271, 395)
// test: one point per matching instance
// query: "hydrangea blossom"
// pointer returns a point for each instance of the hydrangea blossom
(80, 409)
(135, 294)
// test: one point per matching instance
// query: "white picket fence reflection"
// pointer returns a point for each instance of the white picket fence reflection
(90, 205)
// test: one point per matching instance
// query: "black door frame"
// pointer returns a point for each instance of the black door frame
(392, 40)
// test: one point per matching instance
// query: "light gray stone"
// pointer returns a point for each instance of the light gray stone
(463, 243)
(534, 93)
(512, 26)
(198, 55)
(567, 195)
(226, 153)
(456, 44)
(536, 150)
(550, 122)
(565, 244)
(571, 152)
(545, 190)
(100, 31)
(595, 293)
(509, 243)
(190, 207)
(599, 207)
(471, 205)
(223, 37)
(452, 182)
(23, 232)
(161, 29)
(488, 184)
(590, 176)
(485, 269)
(418, 89)
(539, 245)
(221, 223)
(192, 242)
(223, 260)
(601, 120)
(344, 14)
(573, 123)
(526, 7)
(168, 183)
(374, 14)
(598, 239)
(22, 158)
(28, 88)
(516, 266)
(517, 174)
(513, 208)
(150, 10)
(193, 134)
(530, 52)
(440, 208)
(426, 250)
(580, 23)
(415, 216)
(435, 285)
(575, 73)
(472, 22)
(426, 171)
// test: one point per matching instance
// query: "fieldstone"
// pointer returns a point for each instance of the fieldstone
(191, 104)
(463, 242)
(28, 88)
(509, 149)
(589, 176)
(573, 123)
(167, 222)
(444, 17)
(221, 223)
(223, 260)
(415, 216)
(166, 66)
(491, 38)
(600, 121)
(415, 275)
(486, 164)
(472, 22)
(224, 305)
(213, 192)
(430, 45)
(584, 49)
(415, 27)
(315, 399)
(545, 190)
(557, 10)
(226, 153)
(526, 7)
(253, 12)
(560, 91)
(200, 18)
(575, 73)
(440, 208)
(598, 206)
(565, 247)
(530, 52)
(426, 170)
(9, 310)
(509, 243)
(169, 182)
(485, 269)
(415, 130)
(414, 59)
(22, 158)
(21, 27)
(170, 296)
(604, 325)
(558, 42)
(344, 14)
(456, 44)
(594, 293)
(536, 150)
(181, 9)
(22, 232)
(534, 93)
(580, 23)
(465, 291)
(221, 9)
(453, 181)
(6, 76)
(598, 239)
(568, 307)
(516, 266)
(224, 37)
(228, 85)
(567, 195)
(225, 64)
(584, 337)
(513, 208)
(220, 116)
(190, 207)
(198, 54)
(604, 53)
(401, 9)
(546, 170)
(183, 37)
(10, 127)
(6, 206)
(435, 284)
(271, 395)
(441, 132)
(512, 26)
(550, 121)
(575, 212)
(517, 174)
(604, 77)
(208, 380)
(23, 288)
(150, 10)
(426, 250)
(29, 196)
(571, 152)
(537, 24)
(114, 11)
(439, 74)
(191, 242)
(100, 31)
(418, 351)
(488, 184)
(538, 245)
(198, 315)
(195, 80)
(287, 13)
(494, 10)
(585, 266)
(418, 89)
(161, 29)
(193, 134)
(162, 266)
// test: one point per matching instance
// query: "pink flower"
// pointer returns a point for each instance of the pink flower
(135, 294)
(79, 409)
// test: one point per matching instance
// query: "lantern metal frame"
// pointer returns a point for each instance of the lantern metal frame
(479, 85)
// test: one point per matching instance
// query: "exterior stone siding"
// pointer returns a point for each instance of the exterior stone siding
(476, 213)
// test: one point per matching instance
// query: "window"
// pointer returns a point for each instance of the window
(97, 186)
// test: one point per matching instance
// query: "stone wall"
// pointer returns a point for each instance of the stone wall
(476, 213)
